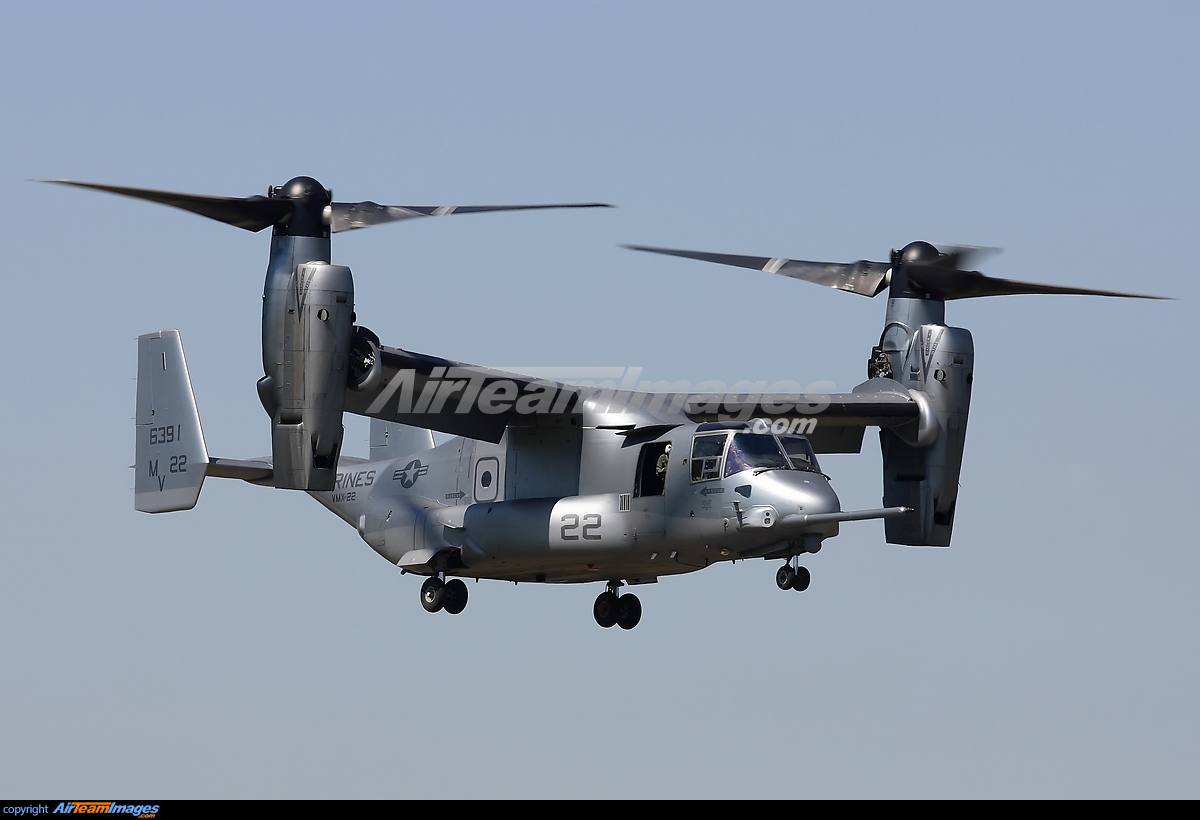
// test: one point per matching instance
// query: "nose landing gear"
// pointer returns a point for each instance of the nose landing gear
(612, 609)
(789, 577)
(629, 611)
(785, 576)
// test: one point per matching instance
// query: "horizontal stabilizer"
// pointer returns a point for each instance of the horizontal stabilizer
(256, 471)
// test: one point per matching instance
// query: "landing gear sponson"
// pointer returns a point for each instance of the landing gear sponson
(613, 609)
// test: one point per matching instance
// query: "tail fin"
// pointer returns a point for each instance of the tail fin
(171, 458)
(391, 440)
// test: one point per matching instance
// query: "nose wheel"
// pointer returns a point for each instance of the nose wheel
(612, 609)
(797, 578)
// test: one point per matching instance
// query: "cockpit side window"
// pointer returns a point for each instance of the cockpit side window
(800, 453)
(707, 454)
(752, 451)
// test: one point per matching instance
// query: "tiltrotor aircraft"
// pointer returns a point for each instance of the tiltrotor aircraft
(553, 483)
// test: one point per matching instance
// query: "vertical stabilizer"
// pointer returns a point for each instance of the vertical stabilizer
(391, 440)
(171, 459)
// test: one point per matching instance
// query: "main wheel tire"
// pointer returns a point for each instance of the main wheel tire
(433, 594)
(629, 611)
(456, 596)
(606, 609)
(785, 577)
(802, 580)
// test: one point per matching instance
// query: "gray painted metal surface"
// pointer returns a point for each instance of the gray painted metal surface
(549, 482)
(313, 375)
(558, 502)
(170, 459)
(390, 441)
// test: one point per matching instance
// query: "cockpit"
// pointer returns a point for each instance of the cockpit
(751, 451)
(724, 452)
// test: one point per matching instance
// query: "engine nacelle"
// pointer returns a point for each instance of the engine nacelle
(366, 365)
(921, 465)
(308, 394)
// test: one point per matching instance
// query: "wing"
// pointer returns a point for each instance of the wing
(461, 399)
(833, 422)
(478, 402)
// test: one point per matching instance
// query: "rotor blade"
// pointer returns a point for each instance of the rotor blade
(966, 284)
(350, 216)
(862, 277)
(251, 213)
(963, 256)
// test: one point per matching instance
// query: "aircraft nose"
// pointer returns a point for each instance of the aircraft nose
(796, 491)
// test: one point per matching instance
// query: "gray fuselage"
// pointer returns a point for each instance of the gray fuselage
(462, 508)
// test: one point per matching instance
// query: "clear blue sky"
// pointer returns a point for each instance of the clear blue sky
(256, 647)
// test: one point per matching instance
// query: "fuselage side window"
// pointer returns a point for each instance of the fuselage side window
(708, 452)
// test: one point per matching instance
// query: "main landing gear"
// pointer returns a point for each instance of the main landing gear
(793, 577)
(612, 609)
(448, 595)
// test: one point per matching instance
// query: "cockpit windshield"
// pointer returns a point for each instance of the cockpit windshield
(752, 451)
(800, 453)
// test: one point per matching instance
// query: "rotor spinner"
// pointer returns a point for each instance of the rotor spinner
(914, 253)
(310, 208)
